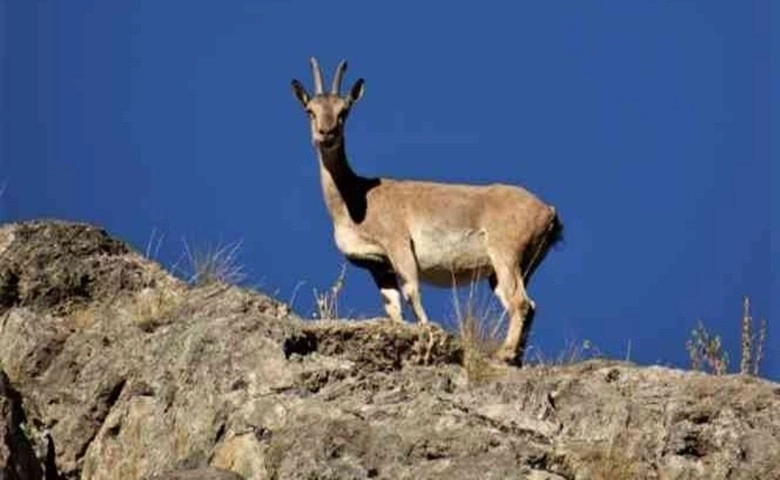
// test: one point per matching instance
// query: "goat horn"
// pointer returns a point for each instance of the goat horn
(336, 87)
(317, 74)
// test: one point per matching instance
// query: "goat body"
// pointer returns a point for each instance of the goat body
(406, 231)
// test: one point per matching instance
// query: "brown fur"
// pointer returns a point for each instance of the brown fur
(405, 231)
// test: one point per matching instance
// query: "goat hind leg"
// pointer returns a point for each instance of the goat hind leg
(510, 290)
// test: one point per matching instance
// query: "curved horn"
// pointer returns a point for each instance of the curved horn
(336, 87)
(317, 74)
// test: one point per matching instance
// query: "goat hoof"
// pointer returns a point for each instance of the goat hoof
(508, 357)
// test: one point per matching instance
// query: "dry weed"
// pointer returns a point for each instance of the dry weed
(611, 463)
(151, 307)
(327, 303)
(752, 344)
(705, 349)
(574, 351)
(83, 318)
(480, 331)
(213, 264)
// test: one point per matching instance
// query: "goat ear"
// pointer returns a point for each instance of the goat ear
(356, 91)
(300, 93)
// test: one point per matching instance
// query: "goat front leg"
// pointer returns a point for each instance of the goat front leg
(405, 266)
(387, 283)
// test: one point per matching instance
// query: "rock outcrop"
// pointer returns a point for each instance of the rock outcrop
(117, 370)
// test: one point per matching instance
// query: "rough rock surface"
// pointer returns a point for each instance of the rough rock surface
(18, 459)
(120, 371)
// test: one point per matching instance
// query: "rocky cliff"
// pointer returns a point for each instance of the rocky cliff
(114, 369)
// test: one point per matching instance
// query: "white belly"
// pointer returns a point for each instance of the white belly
(447, 255)
(443, 256)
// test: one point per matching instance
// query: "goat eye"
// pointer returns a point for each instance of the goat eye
(342, 116)
(310, 113)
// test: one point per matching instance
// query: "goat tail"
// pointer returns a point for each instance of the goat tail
(555, 230)
(552, 236)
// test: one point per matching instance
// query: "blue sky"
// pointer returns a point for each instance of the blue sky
(645, 123)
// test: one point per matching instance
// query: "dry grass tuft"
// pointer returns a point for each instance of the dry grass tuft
(752, 344)
(151, 307)
(327, 302)
(611, 463)
(213, 264)
(706, 352)
(705, 349)
(480, 332)
(153, 245)
(574, 351)
(84, 318)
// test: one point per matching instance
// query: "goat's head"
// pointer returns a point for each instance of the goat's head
(327, 111)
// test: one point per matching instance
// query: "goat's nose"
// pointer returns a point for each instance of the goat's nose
(327, 132)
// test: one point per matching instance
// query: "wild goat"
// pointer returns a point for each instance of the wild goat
(404, 231)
